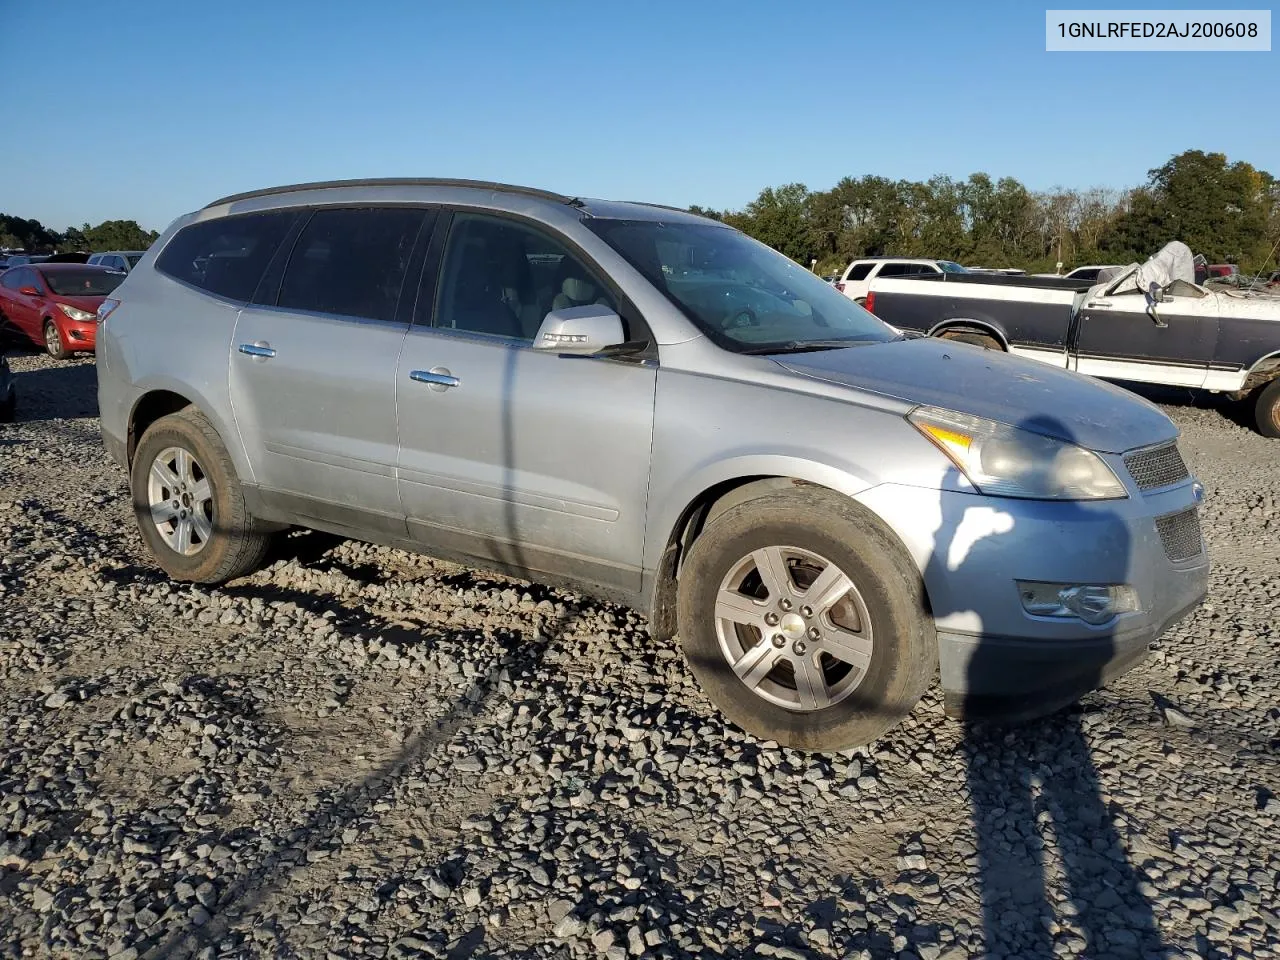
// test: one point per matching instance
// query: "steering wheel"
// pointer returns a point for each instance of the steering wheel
(738, 319)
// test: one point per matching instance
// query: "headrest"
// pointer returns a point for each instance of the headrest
(576, 289)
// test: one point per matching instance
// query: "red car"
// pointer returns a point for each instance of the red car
(55, 305)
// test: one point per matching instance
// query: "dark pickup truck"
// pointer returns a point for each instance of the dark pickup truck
(1128, 328)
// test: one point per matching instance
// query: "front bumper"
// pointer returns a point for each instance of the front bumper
(78, 336)
(995, 658)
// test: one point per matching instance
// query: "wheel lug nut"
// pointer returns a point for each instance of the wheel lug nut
(798, 647)
(784, 603)
(806, 611)
(815, 633)
(779, 640)
(771, 619)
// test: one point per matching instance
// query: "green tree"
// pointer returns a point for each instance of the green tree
(779, 218)
(118, 235)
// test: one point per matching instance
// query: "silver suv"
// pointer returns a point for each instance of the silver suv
(649, 407)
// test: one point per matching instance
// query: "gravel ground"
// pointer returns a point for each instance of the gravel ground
(360, 752)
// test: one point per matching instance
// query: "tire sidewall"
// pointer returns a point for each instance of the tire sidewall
(1267, 410)
(178, 431)
(905, 643)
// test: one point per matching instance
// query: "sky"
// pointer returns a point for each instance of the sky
(145, 110)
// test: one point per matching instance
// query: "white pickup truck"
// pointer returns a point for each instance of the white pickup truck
(1145, 322)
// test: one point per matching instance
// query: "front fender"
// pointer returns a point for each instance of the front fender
(668, 506)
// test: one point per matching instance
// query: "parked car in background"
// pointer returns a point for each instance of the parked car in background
(1218, 270)
(8, 392)
(54, 305)
(565, 390)
(1089, 272)
(22, 259)
(857, 277)
(1149, 323)
(124, 260)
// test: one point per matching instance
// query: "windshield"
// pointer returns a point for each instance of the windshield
(740, 293)
(950, 266)
(82, 283)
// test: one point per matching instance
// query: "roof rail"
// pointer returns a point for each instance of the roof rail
(663, 206)
(395, 182)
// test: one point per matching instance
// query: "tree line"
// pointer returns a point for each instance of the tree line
(1228, 211)
(34, 237)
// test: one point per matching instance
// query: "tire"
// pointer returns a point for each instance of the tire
(222, 540)
(860, 301)
(53, 342)
(969, 336)
(9, 407)
(1266, 409)
(799, 525)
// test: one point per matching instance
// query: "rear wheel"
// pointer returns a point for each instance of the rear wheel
(1266, 409)
(9, 406)
(188, 502)
(53, 341)
(973, 337)
(805, 622)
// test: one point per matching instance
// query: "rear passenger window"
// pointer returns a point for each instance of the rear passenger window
(351, 262)
(225, 256)
(893, 270)
(860, 271)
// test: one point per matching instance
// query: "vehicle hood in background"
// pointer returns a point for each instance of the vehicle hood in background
(995, 385)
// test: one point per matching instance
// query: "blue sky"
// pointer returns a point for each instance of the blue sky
(144, 110)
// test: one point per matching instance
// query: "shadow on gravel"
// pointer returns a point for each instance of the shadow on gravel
(1034, 788)
(256, 884)
(63, 392)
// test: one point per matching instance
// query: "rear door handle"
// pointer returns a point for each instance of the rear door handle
(437, 378)
(259, 349)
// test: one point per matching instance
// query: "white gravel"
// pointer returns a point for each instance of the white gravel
(360, 752)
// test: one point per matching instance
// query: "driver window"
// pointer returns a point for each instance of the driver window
(1180, 288)
(502, 278)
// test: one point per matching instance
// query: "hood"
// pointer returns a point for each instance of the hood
(994, 385)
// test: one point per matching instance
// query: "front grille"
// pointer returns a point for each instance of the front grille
(1180, 534)
(1157, 467)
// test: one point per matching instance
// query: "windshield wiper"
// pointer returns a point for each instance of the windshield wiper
(803, 346)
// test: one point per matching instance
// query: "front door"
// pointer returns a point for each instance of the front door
(313, 373)
(532, 460)
(1124, 337)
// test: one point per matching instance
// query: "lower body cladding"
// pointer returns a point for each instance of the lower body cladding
(1018, 589)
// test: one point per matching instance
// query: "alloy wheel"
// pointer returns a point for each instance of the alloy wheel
(794, 628)
(181, 501)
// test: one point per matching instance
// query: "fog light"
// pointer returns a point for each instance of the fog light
(1091, 603)
(75, 334)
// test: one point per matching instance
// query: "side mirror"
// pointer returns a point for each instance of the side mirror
(580, 331)
(30, 291)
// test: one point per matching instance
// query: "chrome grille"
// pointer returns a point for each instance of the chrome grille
(1180, 534)
(1157, 467)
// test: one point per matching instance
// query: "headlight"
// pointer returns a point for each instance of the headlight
(1006, 461)
(75, 313)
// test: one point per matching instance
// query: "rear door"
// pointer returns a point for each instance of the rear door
(536, 461)
(313, 368)
(1123, 337)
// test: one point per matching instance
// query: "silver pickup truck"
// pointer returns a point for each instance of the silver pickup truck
(1147, 322)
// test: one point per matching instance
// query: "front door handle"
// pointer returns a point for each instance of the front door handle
(259, 349)
(437, 378)
(1099, 305)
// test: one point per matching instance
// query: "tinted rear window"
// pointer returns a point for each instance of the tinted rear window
(225, 256)
(351, 262)
(860, 271)
(82, 283)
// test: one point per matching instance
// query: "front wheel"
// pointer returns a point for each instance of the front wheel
(53, 341)
(1266, 410)
(805, 622)
(188, 503)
